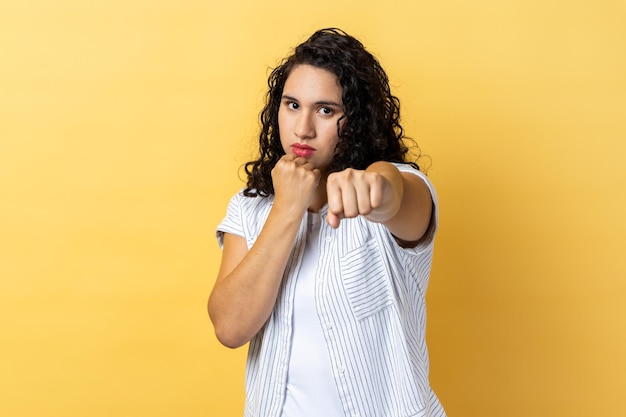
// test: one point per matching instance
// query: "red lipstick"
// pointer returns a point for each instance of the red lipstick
(302, 150)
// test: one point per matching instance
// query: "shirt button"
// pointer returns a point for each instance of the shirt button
(328, 239)
(342, 370)
(329, 326)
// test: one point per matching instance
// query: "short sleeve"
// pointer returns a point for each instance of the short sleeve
(232, 222)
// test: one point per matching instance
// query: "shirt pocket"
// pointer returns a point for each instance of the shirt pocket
(366, 280)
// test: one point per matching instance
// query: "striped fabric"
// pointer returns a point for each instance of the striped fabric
(370, 296)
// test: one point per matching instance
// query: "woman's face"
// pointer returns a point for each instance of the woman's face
(310, 108)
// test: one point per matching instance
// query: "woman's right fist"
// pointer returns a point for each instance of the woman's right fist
(295, 181)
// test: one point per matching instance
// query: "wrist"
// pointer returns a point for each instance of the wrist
(287, 211)
(392, 191)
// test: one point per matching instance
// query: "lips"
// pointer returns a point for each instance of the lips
(304, 151)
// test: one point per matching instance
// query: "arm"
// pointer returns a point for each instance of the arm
(248, 280)
(383, 194)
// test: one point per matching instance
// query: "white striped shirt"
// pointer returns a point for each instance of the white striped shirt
(370, 297)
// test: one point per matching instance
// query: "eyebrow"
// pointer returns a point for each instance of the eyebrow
(319, 103)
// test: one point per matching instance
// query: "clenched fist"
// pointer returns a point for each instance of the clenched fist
(368, 193)
(295, 180)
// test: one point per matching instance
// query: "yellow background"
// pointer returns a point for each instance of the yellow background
(122, 128)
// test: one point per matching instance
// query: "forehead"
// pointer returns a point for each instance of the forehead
(312, 82)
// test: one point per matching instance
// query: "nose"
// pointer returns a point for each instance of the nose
(305, 126)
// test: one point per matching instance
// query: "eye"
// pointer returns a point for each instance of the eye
(326, 111)
(292, 106)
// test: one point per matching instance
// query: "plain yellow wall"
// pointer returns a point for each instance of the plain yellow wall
(122, 129)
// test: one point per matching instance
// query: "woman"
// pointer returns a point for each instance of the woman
(327, 251)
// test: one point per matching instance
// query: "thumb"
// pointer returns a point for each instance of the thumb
(333, 220)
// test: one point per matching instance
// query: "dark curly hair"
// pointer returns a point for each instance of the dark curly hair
(370, 130)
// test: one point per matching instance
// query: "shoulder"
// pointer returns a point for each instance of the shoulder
(252, 211)
(245, 216)
(408, 168)
(250, 204)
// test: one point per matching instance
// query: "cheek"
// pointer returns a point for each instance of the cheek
(281, 118)
(333, 134)
(283, 125)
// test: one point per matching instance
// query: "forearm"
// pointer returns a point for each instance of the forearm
(244, 297)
